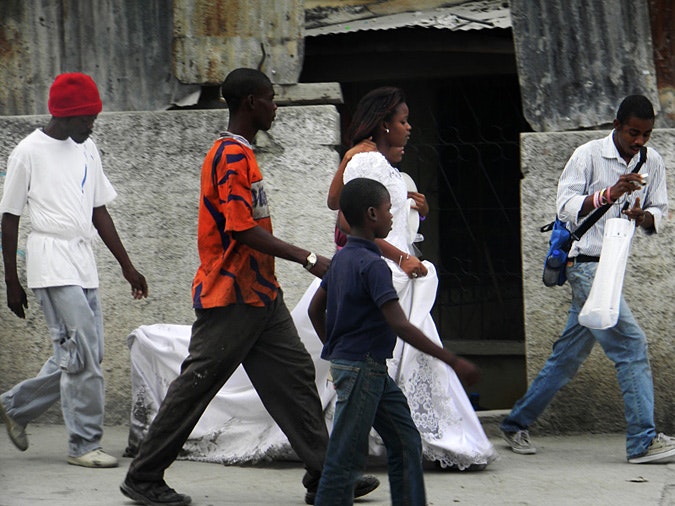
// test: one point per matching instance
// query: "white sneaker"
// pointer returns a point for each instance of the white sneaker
(519, 442)
(661, 448)
(96, 458)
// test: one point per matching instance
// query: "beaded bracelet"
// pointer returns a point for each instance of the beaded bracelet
(596, 199)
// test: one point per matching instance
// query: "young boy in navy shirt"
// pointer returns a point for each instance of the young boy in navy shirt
(357, 316)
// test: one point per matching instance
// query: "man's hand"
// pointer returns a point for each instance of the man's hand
(139, 287)
(639, 216)
(16, 299)
(627, 183)
(321, 266)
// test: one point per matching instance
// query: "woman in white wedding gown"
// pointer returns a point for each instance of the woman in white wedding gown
(236, 428)
(451, 432)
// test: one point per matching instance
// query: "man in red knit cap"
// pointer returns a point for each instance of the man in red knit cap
(56, 171)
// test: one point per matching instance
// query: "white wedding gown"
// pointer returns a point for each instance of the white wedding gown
(237, 429)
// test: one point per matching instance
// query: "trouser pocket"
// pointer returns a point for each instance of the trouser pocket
(68, 354)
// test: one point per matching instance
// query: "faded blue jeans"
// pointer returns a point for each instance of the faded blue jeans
(368, 397)
(73, 373)
(625, 344)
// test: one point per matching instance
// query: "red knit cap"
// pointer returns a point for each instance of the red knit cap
(74, 94)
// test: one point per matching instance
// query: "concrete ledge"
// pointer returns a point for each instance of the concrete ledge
(308, 94)
(490, 420)
(154, 159)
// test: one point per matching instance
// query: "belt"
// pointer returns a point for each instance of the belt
(583, 259)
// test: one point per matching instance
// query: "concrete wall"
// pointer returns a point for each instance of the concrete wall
(154, 159)
(592, 401)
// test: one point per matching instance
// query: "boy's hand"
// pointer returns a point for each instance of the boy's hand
(466, 371)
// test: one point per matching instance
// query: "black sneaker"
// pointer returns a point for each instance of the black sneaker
(153, 493)
(364, 485)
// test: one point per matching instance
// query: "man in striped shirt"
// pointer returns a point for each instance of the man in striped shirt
(599, 172)
(241, 314)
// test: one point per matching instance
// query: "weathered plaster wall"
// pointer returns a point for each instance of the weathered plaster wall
(592, 400)
(154, 159)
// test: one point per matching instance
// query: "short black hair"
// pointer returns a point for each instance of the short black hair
(242, 82)
(635, 106)
(357, 196)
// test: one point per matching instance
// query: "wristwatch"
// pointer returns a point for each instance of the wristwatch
(311, 261)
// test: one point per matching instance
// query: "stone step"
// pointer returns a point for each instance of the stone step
(490, 420)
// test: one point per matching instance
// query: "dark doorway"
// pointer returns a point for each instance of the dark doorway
(464, 155)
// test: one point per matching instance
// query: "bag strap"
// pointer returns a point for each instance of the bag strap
(600, 211)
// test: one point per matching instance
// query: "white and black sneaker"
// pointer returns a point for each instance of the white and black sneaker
(519, 442)
(662, 448)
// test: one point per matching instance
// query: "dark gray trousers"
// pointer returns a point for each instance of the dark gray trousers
(266, 342)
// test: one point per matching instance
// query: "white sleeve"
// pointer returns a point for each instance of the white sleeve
(371, 165)
(103, 189)
(573, 186)
(656, 197)
(17, 182)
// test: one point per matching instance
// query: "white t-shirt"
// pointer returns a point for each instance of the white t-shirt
(61, 182)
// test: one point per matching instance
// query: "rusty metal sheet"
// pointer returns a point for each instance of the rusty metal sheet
(578, 59)
(213, 37)
(124, 46)
(662, 15)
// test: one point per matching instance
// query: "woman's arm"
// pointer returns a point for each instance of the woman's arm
(410, 264)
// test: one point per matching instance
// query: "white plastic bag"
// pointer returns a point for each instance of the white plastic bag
(601, 310)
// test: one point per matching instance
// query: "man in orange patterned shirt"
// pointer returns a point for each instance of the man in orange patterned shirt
(241, 315)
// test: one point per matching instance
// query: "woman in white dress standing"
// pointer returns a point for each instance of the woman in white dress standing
(451, 432)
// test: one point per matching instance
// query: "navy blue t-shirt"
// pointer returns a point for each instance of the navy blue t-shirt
(358, 283)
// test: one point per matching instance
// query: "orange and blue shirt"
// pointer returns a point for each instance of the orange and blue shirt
(232, 199)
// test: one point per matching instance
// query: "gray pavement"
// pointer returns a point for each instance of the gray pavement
(567, 470)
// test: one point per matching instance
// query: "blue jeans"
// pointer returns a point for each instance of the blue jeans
(368, 397)
(625, 344)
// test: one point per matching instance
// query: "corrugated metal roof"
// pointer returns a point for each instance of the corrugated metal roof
(577, 59)
(476, 15)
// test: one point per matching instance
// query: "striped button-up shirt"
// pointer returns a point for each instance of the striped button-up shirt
(597, 165)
